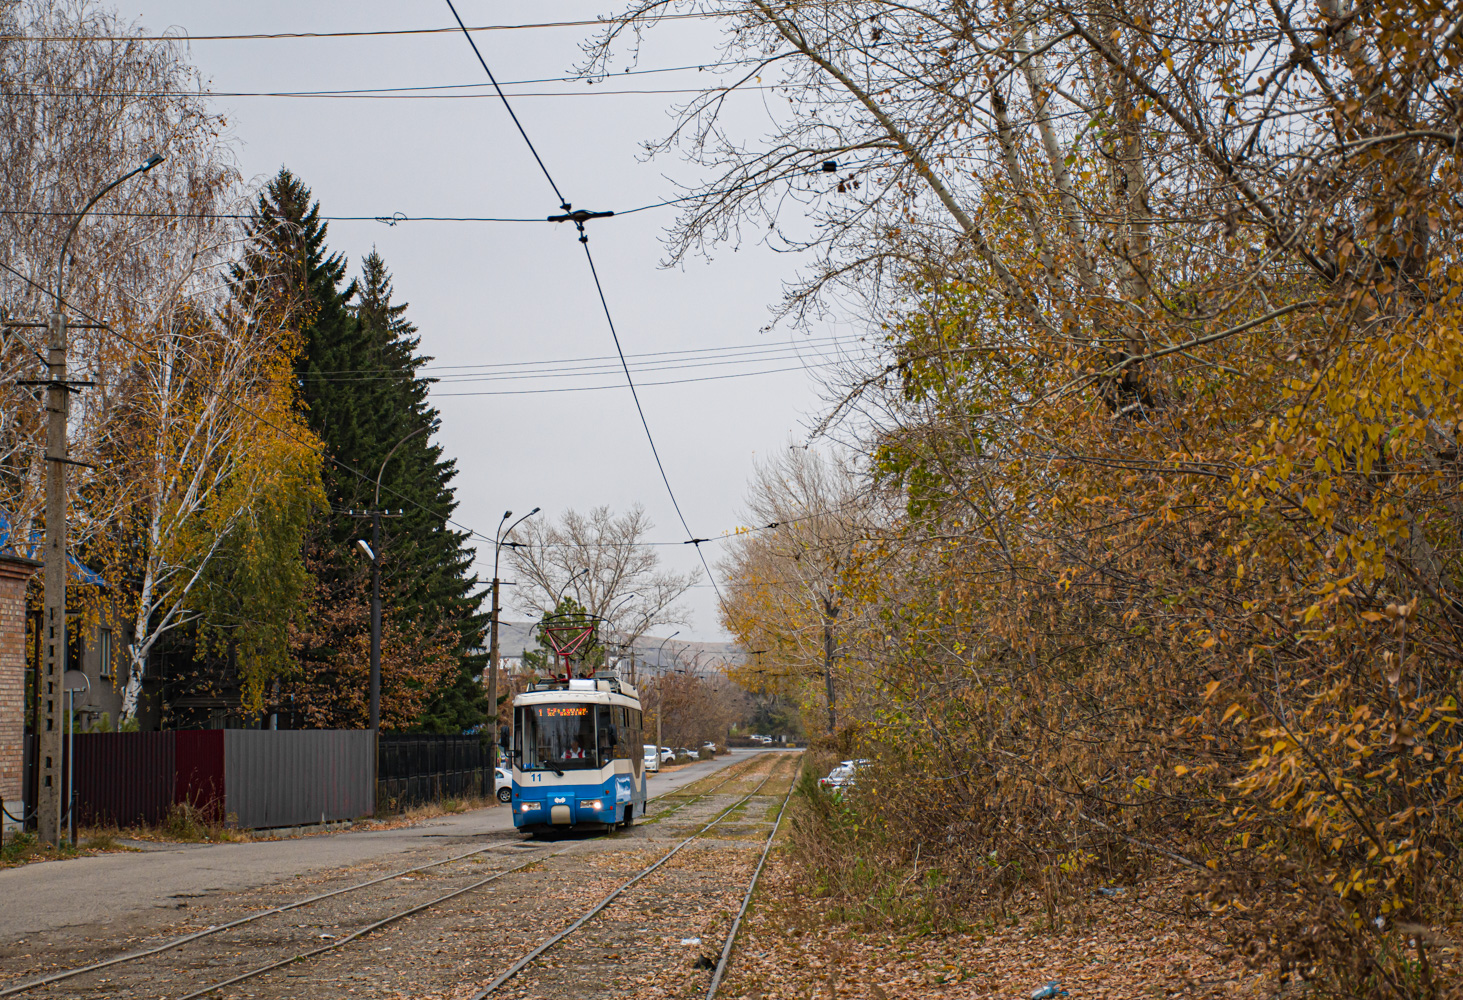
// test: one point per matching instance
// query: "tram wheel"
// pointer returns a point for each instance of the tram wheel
(629, 819)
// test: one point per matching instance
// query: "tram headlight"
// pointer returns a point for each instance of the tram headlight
(594, 804)
(530, 806)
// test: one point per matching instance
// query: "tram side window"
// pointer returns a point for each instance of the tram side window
(606, 727)
(622, 733)
(556, 736)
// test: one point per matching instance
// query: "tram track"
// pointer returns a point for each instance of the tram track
(18, 988)
(524, 961)
(28, 986)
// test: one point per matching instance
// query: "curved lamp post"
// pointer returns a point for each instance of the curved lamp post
(500, 539)
(48, 784)
(373, 552)
(659, 695)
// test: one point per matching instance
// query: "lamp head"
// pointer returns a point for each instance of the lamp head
(365, 547)
(152, 161)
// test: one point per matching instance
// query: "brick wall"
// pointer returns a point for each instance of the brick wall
(14, 573)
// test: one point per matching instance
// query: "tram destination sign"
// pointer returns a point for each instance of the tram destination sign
(561, 711)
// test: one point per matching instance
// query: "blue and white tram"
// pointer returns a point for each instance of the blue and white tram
(577, 760)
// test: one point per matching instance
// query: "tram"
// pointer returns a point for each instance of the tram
(577, 760)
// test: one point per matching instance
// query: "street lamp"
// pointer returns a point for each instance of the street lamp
(609, 615)
(373, 553)
(658, 662)
(659, 694)
(564, 589)
(500, 539)
(48, 808)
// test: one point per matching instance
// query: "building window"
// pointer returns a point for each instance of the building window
(104, 651)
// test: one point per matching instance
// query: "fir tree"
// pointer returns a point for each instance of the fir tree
(359, 379)
(426, 563)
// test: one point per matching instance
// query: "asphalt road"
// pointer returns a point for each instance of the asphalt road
(111, 887)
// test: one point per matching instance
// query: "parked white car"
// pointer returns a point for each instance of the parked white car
(652, 759)
(844, 776)
(667, 755)
(503, 784)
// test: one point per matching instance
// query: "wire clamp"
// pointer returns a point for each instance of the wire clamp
(579, 218)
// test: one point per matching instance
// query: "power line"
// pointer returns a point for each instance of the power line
(380, 33)
(830, 340)
(598, 388)
(599, 288)
(394, 218)
(378, 96)
(341, 91)
(552, 370)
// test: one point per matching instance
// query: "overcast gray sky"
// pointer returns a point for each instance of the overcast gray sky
(505, 293)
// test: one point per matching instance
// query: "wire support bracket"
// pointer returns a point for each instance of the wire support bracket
(579, 217)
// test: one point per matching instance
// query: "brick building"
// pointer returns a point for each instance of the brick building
(15, 573)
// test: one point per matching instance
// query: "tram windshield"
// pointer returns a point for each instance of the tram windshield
(561, 737)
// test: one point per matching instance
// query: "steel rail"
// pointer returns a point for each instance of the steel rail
(697, 796)
(377, 925)
(731, 935)
(56, 977)
(523, 962)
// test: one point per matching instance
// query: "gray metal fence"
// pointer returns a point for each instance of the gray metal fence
(248, 778)
(295, 777)
(414, 769)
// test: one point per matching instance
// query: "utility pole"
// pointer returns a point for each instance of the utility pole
(376, 619)
(500, 539)
(373, 553)
(53, 620)
(48, 737)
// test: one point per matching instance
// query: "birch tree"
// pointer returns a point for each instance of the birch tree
(599, 559)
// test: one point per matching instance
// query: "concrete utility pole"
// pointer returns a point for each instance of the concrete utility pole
(499, 540)
(53, 614)
(373, 552)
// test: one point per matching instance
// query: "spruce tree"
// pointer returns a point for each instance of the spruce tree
(426, 562)
(359, 379)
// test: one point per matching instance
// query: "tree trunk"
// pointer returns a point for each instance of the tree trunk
(829, 614)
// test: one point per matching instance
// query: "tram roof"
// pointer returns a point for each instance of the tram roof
(600, 691)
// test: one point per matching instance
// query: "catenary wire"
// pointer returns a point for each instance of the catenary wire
(599, 288)
(508, 107)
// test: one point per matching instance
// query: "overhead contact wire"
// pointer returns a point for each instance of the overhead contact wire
(604, 303)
